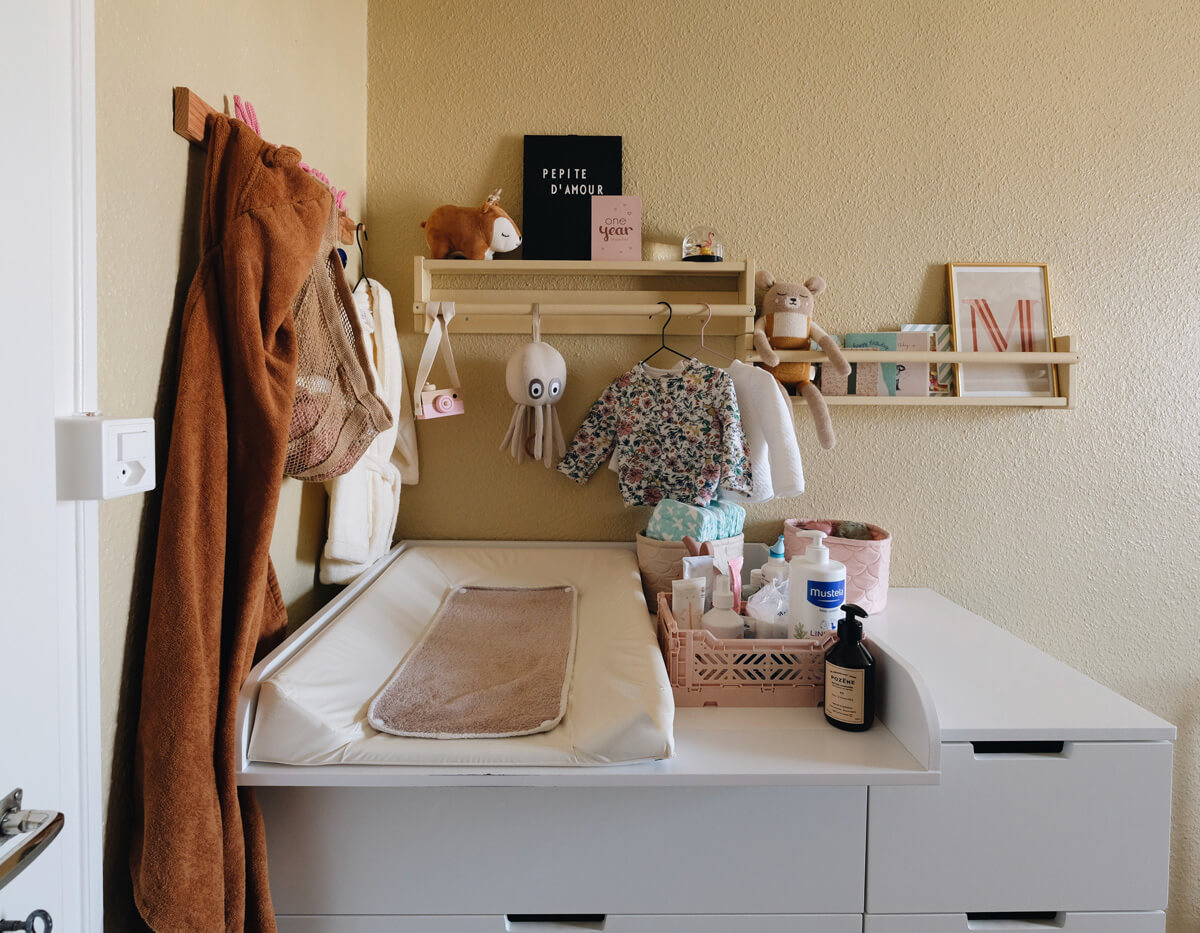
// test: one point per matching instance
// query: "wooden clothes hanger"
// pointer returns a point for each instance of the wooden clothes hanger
(663, 344)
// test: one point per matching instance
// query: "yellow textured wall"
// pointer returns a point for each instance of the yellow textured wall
(869, 142)
(303, 65)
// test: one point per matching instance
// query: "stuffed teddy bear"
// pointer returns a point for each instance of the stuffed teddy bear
(471, 232)
(784, 322)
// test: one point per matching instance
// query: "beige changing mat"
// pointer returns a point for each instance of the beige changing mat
(313, 710)
(494, 663)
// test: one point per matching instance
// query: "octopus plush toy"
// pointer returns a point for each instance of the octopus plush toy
(536, 376)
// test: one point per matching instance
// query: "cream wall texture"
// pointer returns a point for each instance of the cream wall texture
(869, 142)
(303, 65)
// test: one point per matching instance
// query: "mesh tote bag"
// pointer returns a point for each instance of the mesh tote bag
(337, 412)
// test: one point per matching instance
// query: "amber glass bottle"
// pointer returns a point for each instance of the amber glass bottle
(850, 676)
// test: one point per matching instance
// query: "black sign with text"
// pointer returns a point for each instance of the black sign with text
(562, 173)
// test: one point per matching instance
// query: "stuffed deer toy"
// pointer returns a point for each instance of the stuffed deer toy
(471, 232)
(785, 322)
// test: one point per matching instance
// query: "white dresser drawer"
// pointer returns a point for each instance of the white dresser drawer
(1087, 829)
(502, 850)
(1142, 922)
(656, 923)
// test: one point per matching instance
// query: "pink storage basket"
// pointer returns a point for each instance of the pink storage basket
(662, 562)
(867, 562)
(708, 671)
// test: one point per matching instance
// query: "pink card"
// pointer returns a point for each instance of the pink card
(617, 227)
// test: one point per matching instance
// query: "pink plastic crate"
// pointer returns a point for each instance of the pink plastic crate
(708, 671)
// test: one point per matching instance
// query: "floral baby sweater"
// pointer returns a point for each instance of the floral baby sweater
(677, 434)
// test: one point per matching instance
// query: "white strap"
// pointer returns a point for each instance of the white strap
(441, 313)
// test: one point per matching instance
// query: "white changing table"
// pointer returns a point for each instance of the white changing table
(999, 790)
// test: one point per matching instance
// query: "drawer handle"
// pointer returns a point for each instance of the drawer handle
(1018, 920)
(547, 923)
(1018, 748)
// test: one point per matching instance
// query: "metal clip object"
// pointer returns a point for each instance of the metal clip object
(29, 924)
(42, 826)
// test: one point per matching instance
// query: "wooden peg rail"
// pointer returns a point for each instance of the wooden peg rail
(191, 111)
(578, 300)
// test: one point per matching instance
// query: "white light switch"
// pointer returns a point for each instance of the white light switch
(135, 445)
(102, 458)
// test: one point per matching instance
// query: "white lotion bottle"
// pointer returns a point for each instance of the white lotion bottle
(816, 589)
(721, 620)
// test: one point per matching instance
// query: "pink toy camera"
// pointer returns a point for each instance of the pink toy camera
(440, 403)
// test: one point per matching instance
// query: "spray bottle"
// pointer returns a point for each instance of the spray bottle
(721, 620)
(816, 589)
(776, 567)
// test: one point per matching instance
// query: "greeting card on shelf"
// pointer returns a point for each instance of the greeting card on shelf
(941, 375)
(912, 378)
(887, 371)
(617, 227)
(863, 378)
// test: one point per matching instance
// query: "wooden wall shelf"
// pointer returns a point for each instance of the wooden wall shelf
(582, 267)
(1064, 358)
(975, 401)
(573, 303)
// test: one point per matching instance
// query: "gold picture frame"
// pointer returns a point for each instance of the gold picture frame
(977, 291)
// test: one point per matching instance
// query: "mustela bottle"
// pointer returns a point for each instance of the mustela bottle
(816, 589)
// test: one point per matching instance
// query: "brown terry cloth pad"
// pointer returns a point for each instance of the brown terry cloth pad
(495, 662)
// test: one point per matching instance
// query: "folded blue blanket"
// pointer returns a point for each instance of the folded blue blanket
(673, 520)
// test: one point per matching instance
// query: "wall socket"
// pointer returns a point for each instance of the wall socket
(103, 458)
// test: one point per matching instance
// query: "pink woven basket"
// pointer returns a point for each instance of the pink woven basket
(708, 671)
(867, 562)
(662, 561)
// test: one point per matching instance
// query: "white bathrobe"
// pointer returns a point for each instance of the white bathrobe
(770, 434)
(364, 502)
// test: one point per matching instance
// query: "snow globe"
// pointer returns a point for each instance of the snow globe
(703, 244)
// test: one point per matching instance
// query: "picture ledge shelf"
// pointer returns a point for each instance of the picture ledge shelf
(727, 287)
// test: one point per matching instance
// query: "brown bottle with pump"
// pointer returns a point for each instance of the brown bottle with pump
(850, 676)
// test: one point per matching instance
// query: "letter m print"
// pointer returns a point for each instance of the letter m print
(986, 330)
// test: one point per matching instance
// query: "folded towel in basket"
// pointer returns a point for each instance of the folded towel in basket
(495, 662)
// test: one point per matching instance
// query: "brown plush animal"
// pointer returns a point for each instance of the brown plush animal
(470, 232)
(785, 322)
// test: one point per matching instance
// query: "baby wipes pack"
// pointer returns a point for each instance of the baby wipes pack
(673, 521)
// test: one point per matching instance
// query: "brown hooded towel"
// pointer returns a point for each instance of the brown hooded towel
(198, 853)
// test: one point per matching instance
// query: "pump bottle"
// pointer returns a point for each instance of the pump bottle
(721, 620)
(816, 589)
(850, 676)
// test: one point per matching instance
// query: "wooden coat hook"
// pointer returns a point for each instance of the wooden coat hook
(191, 111)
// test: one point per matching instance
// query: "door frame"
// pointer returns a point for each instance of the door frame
(75, 357)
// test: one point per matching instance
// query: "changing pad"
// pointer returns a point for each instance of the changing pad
(494, 663)
(313, 710)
